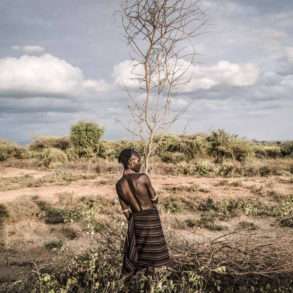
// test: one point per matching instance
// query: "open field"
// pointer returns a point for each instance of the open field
(56, 214)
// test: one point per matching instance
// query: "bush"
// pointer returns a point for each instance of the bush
(11, 150)
(166, 143)
(71, 154)
(138, 145)
(287, 148)
(43, 142)
(52, 157)
(225, 146)
(169, 157)
(220, 145)
(188, 145)
(273, 151)
(242, 150)
(85, 138)
(204, 167)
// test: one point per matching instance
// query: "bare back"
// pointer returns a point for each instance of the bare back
(135, 190)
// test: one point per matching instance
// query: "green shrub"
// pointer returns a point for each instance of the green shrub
(287, 148)
(11, 150)
(166, 143)
(259, 151)
(225, 146)
(71, 154)
(273, 151)
(138, 145)
(204, 167)
(189, 146)
(220, 145)
(85, 138)
(227, 169)
(52, 157)
(242, 150)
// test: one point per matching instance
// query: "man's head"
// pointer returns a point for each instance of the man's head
(130, 159)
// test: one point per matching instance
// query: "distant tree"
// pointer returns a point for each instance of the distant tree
(85, 138)
(158, 32)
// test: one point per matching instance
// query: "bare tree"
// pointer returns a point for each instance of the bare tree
(159, 34)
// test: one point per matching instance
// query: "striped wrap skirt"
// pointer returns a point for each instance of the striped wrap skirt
(145, 243)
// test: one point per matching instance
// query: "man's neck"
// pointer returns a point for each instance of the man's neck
(128, 171)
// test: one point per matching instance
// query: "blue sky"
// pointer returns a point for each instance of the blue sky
(63, 61)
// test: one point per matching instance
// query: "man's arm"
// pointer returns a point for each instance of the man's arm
(125, 208)
(152, 192)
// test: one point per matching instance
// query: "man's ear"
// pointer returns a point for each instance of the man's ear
(129, 163)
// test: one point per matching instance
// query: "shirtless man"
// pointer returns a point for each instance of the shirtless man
(140, 192)
(138, 201)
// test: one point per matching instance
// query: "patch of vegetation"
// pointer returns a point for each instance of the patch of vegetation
(282, 210)
(245, 225)
(85, 137)
(11, 150)
(207, 270)
(287, 149)
(9, 183)
(173, 157)
(190, 223)
(52, 157)
(69, 233)
(225, 146)
(4, 213)
(54, 244)
(207, 221)
(223, 209)
(40, 143)
(53, 215)
(174, 204)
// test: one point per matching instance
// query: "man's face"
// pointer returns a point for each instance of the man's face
(134, 163)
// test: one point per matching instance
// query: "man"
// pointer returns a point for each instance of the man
(145, 246)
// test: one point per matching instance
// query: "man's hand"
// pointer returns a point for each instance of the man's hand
(127, 213)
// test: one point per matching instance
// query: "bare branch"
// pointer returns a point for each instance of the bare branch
(157, 32)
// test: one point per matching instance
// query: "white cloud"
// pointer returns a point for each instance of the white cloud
(223, 73)
(29, 49)
(197, 76)
(45, 75)
(126, 73)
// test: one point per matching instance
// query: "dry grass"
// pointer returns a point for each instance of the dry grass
(54, 216)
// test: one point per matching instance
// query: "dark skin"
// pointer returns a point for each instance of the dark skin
(143, 189)
(141, 186)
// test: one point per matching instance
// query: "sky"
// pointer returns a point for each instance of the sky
(67, 60)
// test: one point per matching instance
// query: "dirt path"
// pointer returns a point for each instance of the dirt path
(217, 187)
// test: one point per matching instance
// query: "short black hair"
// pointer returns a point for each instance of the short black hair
(125, 155)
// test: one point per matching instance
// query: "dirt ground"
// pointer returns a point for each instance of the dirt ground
(27, 235)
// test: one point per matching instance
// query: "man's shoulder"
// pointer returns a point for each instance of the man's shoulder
(123, 178)
(118, 182)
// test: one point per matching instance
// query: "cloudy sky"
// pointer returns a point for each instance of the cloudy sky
(64, 61)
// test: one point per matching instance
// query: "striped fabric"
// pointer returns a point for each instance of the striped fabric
(145, 243)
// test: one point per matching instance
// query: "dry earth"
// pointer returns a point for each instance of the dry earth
(27, 235)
